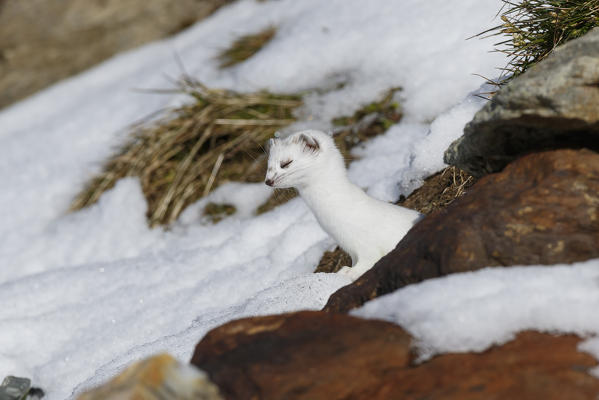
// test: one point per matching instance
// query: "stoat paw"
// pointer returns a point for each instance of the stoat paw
(344, 270)
(349, 272)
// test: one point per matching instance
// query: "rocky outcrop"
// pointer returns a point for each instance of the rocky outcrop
(555, 104)
(156, 378)
(542, 209)
(308, 355)
(316, 355)
(44, 41)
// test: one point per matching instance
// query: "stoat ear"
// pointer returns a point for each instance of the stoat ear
(310, 143)
(270, 144)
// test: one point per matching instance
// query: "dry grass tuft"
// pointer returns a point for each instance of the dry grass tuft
(333, 261)
(536, 27)
(369, 121)
(278, 197)
(438, 191)
(245, 47)
(217, 138)
(217, 212)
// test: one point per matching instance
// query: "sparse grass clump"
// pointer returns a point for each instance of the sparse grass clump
(536, 27)
(438, 191)
(245, 47)
(216, 212)
(369, 121)
(218, 137)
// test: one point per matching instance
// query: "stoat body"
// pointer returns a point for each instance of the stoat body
(363, 226)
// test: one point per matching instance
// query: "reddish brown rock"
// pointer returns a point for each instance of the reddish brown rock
(542, 209)
(317, 355)
(298, 356)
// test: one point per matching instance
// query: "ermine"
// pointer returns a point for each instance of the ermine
(363, 226)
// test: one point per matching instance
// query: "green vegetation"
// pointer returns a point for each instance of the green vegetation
(245, 47)
(536, 27)
(218, 137)
(333, 261)
(217, 212)
(369, 121)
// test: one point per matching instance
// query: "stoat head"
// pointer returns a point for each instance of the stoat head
(300, 158)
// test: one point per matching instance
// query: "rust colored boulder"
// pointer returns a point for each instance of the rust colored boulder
(310, 355)
(555, 104)
(326, 356)
(542, 209)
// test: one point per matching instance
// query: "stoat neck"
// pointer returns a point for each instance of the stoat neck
(329, 193)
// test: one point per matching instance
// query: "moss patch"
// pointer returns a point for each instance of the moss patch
(216, 138)
(216, 212)
(369, 121)
(333, 261)
(245, 47)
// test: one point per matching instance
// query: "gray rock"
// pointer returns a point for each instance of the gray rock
(44, 41)
(14, 388)
(555, 104)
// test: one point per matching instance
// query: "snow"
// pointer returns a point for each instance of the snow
(61, 325)
(245, 197)
(475, 310)
(85, 294)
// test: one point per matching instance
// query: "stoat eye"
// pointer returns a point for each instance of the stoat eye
(285, 164)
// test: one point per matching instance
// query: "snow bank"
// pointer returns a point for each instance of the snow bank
(475, 310)
(84, 294)
(64, 324)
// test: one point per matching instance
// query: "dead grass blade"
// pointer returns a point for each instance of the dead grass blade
(245, 47)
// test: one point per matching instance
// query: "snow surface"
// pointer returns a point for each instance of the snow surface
(474, 310)
(84, 294)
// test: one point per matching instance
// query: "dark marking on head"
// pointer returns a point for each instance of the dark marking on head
(310, 143)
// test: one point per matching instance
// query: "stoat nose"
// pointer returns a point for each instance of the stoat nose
(269, 182)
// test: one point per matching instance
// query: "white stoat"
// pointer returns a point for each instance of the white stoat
(365, 227)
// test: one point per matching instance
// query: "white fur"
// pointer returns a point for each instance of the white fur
(365, 227)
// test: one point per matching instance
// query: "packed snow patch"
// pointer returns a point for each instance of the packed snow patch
(104, 314)
(472, 311)
(245, 197)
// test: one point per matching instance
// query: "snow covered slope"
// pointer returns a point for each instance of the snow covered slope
(475, 310)
(84, 294)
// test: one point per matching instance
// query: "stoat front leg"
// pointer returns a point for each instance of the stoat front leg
(363, 265)
(350, 272)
